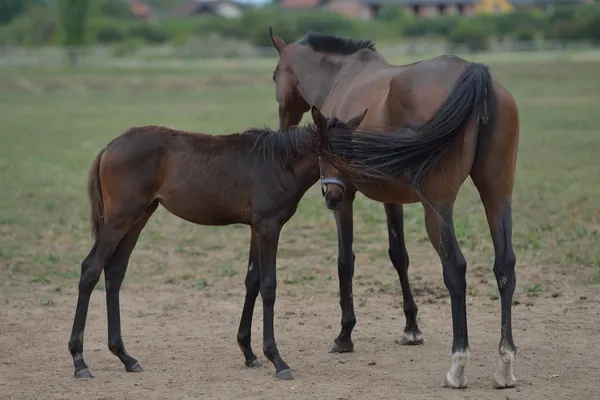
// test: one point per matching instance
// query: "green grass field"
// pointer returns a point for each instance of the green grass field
(54, 121)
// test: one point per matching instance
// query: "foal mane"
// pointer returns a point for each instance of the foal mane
(321, 42)
(284, 146)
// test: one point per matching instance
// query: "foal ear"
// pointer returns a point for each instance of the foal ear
(278, 42)
(356, 121)
(319, 119)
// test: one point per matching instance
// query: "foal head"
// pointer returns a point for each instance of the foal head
(332, 186)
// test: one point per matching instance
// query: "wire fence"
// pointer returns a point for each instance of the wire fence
(171, 56)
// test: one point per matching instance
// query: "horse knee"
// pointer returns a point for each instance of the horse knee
(399, 258)
(345, 259)
(268, 292)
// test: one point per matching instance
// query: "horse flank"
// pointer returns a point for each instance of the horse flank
(412, 151)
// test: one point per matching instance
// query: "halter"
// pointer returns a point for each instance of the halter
(329, 181)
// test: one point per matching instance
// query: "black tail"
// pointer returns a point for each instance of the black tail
(414, 150)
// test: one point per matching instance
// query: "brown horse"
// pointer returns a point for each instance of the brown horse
(256, 178)
(439, 121)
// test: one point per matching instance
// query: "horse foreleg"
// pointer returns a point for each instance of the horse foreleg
(344, 221)
(268, 238)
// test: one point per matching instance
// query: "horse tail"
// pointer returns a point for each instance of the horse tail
(95, 195)
(414, 150)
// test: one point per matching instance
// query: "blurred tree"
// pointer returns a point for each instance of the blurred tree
(74, 21)
(118, 9)
(10, 9)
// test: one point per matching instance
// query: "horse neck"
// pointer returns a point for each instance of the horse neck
(306, 169)
(318, 73)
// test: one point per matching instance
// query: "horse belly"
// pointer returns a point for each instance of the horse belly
(203, 207)
(387, 193)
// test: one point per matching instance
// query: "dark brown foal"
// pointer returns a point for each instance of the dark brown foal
(439, 121)
(255, 178)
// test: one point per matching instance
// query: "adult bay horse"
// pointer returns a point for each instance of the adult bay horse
(255, 178)
(440, 121)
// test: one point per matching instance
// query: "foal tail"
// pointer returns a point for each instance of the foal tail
(415, 149)
(95, 195)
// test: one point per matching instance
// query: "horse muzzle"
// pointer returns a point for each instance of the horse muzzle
(333, 201)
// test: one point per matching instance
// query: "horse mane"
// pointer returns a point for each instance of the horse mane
(321, 42)
(284, 146)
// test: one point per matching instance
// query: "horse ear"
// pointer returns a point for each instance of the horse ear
(356, 121)
(278, 42)
(319, 119)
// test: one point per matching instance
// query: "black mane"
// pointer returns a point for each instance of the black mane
(322, 42)
(285, 146)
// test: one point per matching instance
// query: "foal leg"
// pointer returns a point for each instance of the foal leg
(91, 268)
(114, 273)
(252, 289)
(344, 222)
(268, 238)
(440, 228)
(399, 258)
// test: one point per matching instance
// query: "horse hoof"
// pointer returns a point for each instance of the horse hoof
(253, 363)
(134, 368)
(83, 374)
(455, 382)
(411, 339)
(501, 382)
(339, 347)
(285, 374)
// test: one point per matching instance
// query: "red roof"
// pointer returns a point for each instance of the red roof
(299, 3)
(350, 9)
(140, 9)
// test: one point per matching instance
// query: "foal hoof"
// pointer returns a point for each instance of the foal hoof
(285, 374)
(83, 374)
(134, 368)
(253, 363)
(341, 347)
(411, 339)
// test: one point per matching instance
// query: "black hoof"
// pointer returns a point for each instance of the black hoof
(83, 374)
(253, 363)
(285, 374)
(342, 347)
(134, 368)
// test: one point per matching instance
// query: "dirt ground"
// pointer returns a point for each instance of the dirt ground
(185, 340)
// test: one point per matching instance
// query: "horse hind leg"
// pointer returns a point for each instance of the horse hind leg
(114, 273)
(493, 174)
(399, 257)
(440, 228)
(252, 283)
(91, 268)
(498, 211)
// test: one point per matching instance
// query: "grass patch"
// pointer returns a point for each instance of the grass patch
(55, 121)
